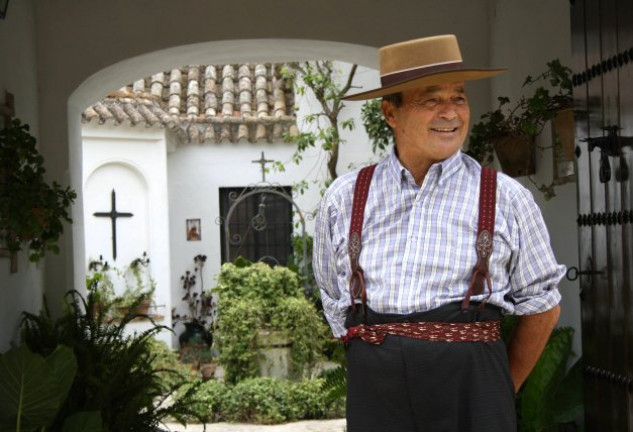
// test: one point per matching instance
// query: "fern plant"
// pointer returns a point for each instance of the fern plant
(116, 373)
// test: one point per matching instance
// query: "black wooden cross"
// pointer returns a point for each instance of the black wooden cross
(113, 214)
(263, 161)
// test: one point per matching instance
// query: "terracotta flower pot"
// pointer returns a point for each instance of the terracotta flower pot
(141, 308)
(207, 370)
(515, 154)
(563, 132)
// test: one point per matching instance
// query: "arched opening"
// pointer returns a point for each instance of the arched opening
(112, 78)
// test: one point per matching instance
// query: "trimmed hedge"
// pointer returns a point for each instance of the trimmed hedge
(264, 400)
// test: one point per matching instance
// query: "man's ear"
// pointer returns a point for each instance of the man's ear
(388, 112)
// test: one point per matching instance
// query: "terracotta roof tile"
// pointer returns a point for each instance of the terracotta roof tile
(206, 103)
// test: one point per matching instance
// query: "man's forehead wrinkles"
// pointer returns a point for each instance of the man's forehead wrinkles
(439, 89)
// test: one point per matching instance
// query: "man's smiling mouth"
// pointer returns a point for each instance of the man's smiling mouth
(444, 130)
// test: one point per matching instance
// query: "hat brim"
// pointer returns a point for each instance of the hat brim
(425, 81)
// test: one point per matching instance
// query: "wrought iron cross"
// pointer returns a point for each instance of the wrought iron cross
(113, 215)
(263, 161)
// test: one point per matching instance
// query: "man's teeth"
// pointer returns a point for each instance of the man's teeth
(444, 129)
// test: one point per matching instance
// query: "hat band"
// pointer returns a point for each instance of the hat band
(409, 74)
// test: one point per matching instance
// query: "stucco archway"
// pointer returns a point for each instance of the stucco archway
(238, 51)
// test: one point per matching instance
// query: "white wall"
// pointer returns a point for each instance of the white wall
(526, 35)
(22, 290)
(133, 162)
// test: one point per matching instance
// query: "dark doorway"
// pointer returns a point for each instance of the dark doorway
(260, 225)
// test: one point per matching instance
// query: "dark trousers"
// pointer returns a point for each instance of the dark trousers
(412, 385)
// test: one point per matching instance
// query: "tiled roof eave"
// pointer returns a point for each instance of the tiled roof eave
(206, 103)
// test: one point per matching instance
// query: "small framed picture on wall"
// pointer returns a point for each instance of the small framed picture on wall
(194, 231)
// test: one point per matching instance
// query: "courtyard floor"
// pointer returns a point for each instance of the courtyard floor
(336, 425)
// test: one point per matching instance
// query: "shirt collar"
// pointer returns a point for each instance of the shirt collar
(445, 169)
(449, 167)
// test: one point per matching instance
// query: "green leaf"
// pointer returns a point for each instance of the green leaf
(538, 394)
(568, 404)
(63, 364)
(84, 421)
(33, 387)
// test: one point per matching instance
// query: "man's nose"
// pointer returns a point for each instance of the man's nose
(447, 110)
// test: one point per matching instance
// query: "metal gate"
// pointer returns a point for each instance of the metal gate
(602, 46)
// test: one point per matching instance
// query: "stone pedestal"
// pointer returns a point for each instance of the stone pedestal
(274, 358)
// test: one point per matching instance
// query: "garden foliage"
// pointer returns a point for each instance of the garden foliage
(116, 374)
(264, 400)
(256, 297)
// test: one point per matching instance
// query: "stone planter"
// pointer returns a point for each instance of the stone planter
(274, 358)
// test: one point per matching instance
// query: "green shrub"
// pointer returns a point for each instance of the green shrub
(259, 297)
(258, 282)
(301, 323)
(171, 371)
(313, 401)
(236, 339)
(263, 400)
(207, 401)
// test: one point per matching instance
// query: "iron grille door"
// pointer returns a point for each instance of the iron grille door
(259, 227)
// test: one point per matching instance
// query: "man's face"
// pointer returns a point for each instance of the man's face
(432, 122)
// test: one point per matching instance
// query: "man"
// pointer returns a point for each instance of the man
(424, 249)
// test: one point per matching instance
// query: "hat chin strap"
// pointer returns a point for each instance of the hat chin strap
(394, 78)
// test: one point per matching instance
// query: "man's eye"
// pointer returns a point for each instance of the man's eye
(459, 100)
(430, 102)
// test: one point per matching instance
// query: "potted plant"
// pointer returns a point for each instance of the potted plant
(31, 210)
(100, 286)
(510, 130)
(198, 320)
(137, 295)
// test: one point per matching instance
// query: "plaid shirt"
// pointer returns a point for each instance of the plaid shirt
(418, 248)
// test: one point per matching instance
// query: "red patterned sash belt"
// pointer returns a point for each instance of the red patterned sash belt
(480, 331)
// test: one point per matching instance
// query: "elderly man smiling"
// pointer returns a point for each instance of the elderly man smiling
(418, 257)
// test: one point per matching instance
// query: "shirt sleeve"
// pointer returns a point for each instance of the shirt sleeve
(324, 265)
(534, 272)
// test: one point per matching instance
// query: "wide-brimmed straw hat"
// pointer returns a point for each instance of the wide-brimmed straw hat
(421, 63)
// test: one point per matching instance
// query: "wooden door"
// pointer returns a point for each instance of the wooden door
(602, 45)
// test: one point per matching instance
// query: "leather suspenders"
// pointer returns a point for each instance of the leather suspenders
(485, 230)
(357, 279)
